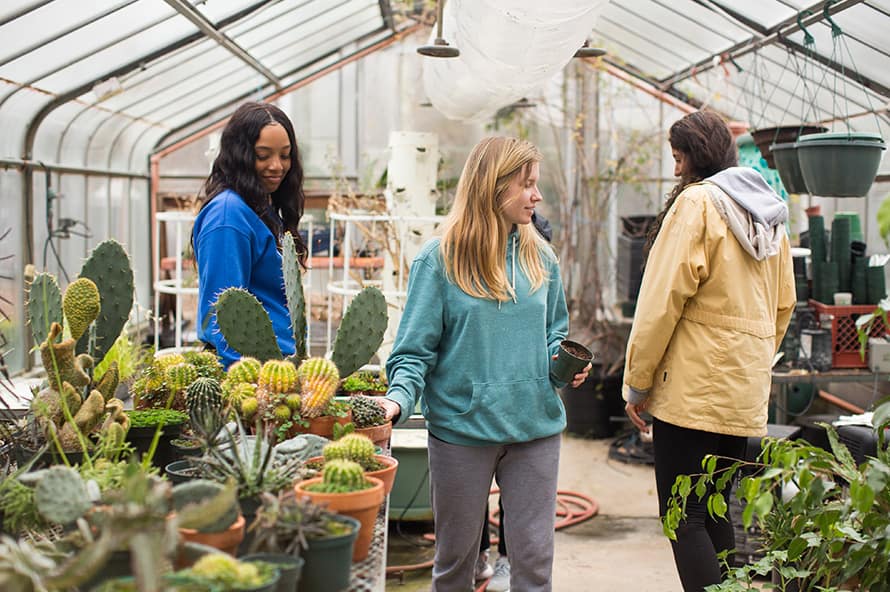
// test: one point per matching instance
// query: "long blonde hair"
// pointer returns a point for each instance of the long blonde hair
(474, 236)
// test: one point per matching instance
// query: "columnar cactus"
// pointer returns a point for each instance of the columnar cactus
(109, 268)
(278, 376)
(245, 370)
(355, 447)
(44, 306)
(61, 495)
(342, 476)
(318, 383)
(202, 395)
(80, 305)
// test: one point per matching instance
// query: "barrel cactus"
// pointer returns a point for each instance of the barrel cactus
(366, 412)
(318, 383)
(355, 447)
(206, 363)
(278, 376)
(204, 402)
(341, 476)
(245, 370)
(179, 376)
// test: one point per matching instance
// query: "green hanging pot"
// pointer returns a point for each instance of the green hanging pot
(764, 138)
(840, 164)
(785, 157)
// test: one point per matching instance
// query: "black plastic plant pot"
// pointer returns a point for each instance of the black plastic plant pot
(328, 561)
(180, 471)
(785, 157)
(571, 359)
(766, 137)
(840, 164)
(141, 438)
(289, 568)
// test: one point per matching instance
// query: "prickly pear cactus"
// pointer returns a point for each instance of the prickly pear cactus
(61, 364)
(361, 331)
(318, 383)
(366, 412)
(293, 288)
(179, 376)
(47, 405)
(245, 370)
(278, 376)
(342, 476)
(355, 447)
(61, 495)
(109, 268)
(246, 325)
(109, 381)
(80, 305)
(44, 306)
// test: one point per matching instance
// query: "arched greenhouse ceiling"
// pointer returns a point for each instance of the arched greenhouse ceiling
(103, 84)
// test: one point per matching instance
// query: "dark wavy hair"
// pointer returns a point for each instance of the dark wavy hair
(235, 169)
(706, 142)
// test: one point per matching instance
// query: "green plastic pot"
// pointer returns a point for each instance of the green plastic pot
(840, 164)
(766, 137)
(289, 568)
(785, 157)
(571, 359)
(328, 561)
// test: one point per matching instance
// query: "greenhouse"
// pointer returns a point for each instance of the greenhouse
(329, 295)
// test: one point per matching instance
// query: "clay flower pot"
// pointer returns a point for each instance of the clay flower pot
(386, 474)
(226, 541)
(378, 434)
(362, 505)
(323, 425)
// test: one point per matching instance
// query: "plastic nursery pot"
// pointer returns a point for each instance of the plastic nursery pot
(840, 164)
(785, 157)
(328, 559)
(226, 541)
(766, 137)
(289, 568)
(180, 471)
(572, 358)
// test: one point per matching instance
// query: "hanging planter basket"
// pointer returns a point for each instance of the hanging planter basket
(788, 166)
(766, 137)
(840, 164)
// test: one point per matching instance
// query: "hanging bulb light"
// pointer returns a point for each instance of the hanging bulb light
(585, 51)
(440, 47)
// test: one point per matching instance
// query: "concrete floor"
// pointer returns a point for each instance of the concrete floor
(621, 548)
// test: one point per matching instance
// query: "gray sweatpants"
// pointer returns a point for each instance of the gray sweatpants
(460, 479)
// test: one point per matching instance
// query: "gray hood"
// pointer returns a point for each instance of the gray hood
(755, 214)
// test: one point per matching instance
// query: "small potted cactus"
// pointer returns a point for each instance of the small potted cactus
(370, 420)
(344, 488)
(359, 449)
(230, 574)
(227, 530)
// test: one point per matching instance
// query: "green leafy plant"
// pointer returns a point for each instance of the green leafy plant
(149, 418)
(364, 381)
(865, 324)
(824, 519)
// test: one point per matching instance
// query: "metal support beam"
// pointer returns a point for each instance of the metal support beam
(784, 29)
(869, 83)
(206, 27)
(50, 167)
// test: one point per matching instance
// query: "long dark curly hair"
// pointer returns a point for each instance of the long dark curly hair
(706, 142)
(235, 169)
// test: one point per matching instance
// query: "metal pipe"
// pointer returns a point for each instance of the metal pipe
(27, 164)
(838, 402)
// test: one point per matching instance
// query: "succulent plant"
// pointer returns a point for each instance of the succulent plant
(355, 447)
(201, 491)
(60, 362)
(318, 384)
(366, 412)
(249, 407)
(88, 417)
(247, 328)
(109, 268)
(107, 385)
(245, 370)
(341, 476)
(80, 305)
(206, 363)
(278, 376)
(230, 574)
(44, 306)
(179, 376)
(61, 495)
(204, 401)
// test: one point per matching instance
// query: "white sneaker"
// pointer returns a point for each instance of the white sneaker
(500, 581)
(483, 569)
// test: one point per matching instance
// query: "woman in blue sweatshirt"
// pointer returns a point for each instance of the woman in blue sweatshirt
(484, 316)
(253, 195)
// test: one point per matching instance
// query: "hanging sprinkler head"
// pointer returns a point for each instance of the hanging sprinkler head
(440, 47)
(585, 51)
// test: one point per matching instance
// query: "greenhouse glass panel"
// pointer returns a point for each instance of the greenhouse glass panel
(688, 49)
(767, 13)
(664, 55)
(12, 256)
(637, 58)
(307, 52)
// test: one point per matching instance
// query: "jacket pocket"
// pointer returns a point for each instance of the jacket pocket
(513, 411)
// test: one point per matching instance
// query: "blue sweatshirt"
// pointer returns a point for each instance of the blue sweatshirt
(480, 368)
(236, 249)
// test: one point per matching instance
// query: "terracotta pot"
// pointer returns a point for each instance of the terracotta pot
(378, 434)
(386, 474)
(362, 505)
(322, 425)
(226, 541)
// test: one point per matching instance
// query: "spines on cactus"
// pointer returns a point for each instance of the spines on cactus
(355, 447)
(361, 331)
(245, 370)
(278, 376)
(179, 376)
(366, 412)
(342, 476)
(318, 383)
(109, 268)
(249, 407)
(293, 287)
(206, 363)
(204, 402)
(80, 305)
(44, 306)
(61, 495)
(245, 324)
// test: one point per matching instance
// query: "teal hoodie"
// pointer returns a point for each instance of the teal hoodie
(480, 368)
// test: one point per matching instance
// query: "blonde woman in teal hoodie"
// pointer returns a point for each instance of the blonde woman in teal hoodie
(483, 320)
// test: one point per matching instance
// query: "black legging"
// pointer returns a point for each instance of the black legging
(679, 451)
(502, 541)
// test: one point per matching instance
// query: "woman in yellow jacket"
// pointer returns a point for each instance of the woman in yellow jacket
(716, 298)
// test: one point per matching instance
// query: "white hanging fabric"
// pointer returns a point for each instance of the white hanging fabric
(508, 48)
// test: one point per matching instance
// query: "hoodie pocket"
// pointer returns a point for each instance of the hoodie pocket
(513, 411)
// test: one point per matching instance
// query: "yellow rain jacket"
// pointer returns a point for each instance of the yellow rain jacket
(715, 301)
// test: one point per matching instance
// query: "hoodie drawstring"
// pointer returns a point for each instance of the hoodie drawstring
(512, 276)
